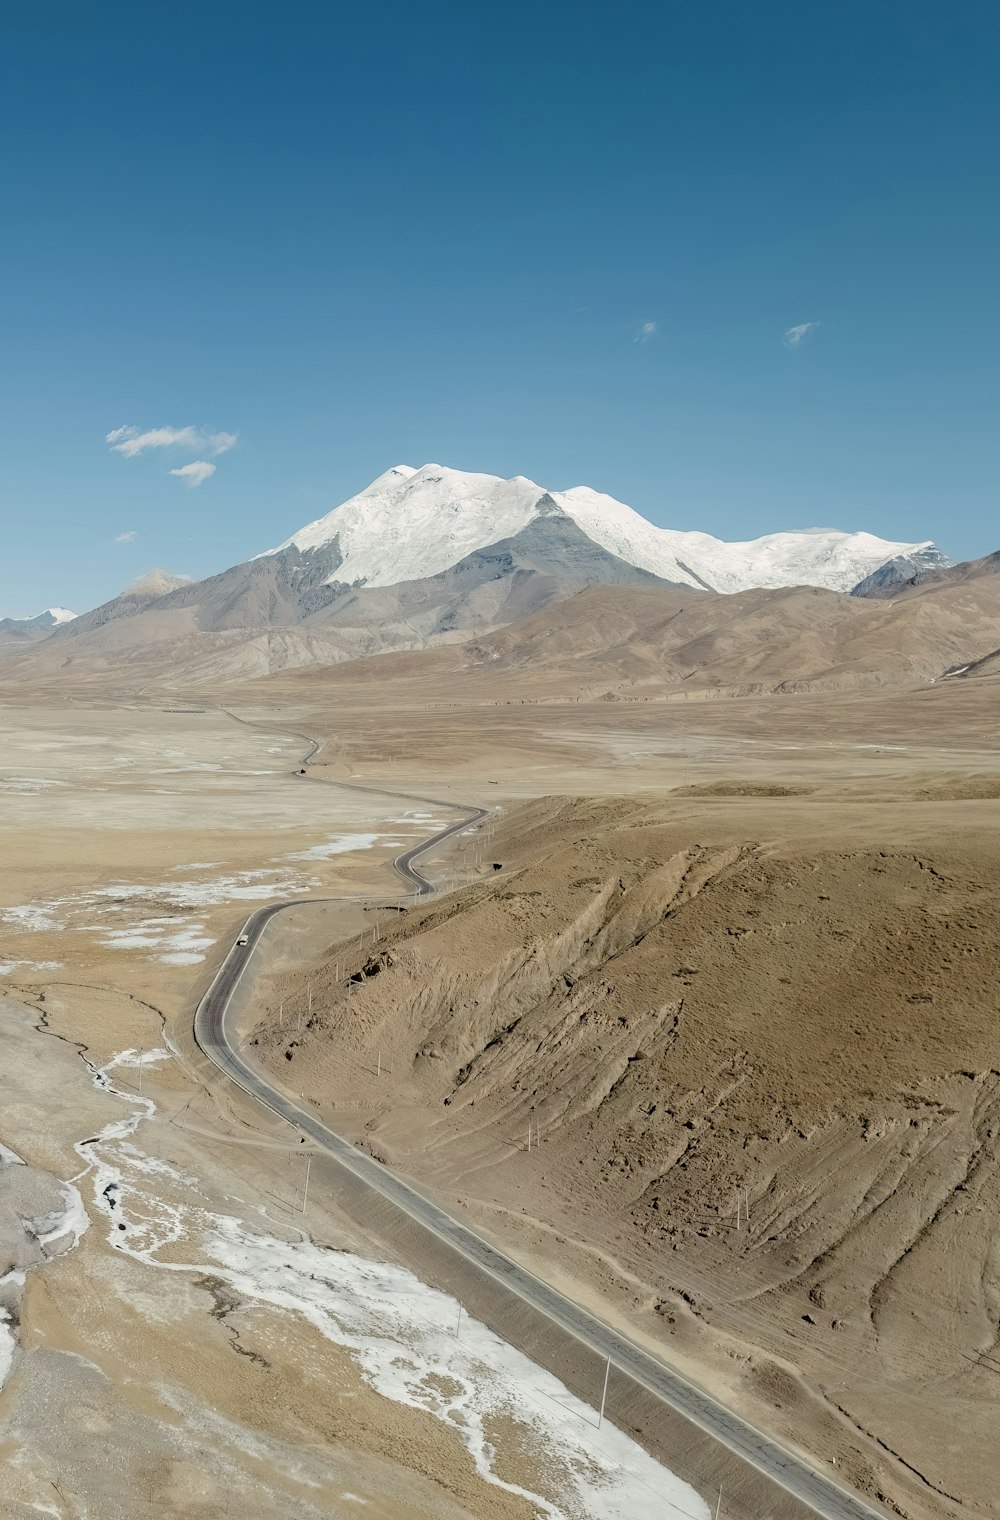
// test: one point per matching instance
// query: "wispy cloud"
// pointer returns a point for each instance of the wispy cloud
(646, 331)
(797, 335)
(131, 442)
(127, 538)
(195, 473)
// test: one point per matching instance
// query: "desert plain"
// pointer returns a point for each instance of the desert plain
(730, 960)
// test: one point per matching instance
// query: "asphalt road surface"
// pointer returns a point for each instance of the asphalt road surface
(220, 1045)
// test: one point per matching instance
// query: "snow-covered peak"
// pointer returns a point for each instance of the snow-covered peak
(410, 523)
(413, 523)
(805, 557)
(50, 618)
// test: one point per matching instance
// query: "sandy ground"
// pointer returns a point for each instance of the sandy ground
(755, 1045)
(776, 986)
(151, 833)
(139, 1391)
(760, 961)
(181, 1330)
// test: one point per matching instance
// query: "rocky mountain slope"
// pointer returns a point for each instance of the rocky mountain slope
(903, 577)
(658, 639)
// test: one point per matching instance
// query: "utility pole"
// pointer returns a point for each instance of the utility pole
(141, 1054)
(305, 1190)
(458, 1325)
(604, 1395)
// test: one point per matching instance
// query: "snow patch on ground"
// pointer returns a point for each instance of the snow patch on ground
(53, 1234)
(8, 967)
(340, 844)
(412, 1342)
(177, 941)
(28, 784)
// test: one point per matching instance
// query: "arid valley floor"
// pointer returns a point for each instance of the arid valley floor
(734, 961)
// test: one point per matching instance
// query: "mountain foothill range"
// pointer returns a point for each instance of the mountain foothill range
(481, 573)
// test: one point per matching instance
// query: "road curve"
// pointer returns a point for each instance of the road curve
(219, 1044)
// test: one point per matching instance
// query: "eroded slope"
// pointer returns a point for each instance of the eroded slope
(698, 1007)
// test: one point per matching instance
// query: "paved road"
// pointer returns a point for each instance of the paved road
(219, 1043)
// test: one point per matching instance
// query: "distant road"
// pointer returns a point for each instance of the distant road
(219, 1044)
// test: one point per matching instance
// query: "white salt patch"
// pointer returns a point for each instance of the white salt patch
(9, 1158)
(8, 1345)
(401, 1332)
(36, 918)
(12, 965)
(246, 886)
(187, 940)
(55, 1233)
(71, 1222)
(126, 939)
(341, 844)
(28, 784)
(191, 765)
(138, 1058)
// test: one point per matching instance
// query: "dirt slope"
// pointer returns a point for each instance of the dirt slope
(788, 640)
(767, 1000)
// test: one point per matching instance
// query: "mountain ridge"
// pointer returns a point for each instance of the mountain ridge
(409, 523)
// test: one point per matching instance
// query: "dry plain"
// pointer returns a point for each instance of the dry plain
(742, 944)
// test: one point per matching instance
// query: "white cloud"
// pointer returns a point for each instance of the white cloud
(127, 538)
(195, 473)
(646, 331)
(796, 335)
(130, 442)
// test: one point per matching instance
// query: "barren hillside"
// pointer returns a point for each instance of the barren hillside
(752, 1003)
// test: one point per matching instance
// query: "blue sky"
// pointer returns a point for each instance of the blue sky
(559, 240)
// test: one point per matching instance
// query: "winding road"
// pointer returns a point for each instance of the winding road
(219, 1043)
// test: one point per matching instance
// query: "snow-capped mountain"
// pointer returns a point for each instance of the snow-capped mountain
(52, 617)
(410, 524)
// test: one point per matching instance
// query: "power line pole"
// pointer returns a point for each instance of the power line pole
(305, 1190)
(604, 1395)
